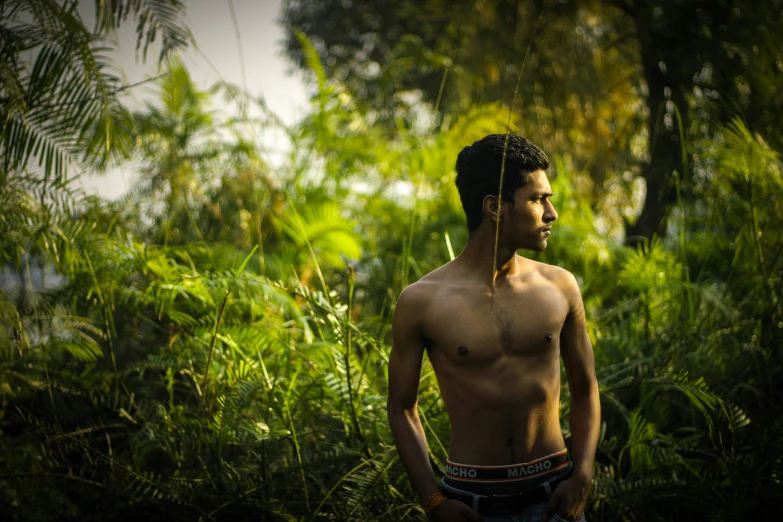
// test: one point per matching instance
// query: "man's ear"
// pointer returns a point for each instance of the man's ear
(491, 208)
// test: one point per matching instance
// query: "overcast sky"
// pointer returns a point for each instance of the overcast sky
(213, 29)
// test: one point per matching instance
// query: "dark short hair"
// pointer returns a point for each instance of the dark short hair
(478, 171)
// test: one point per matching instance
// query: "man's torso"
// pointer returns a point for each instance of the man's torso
(498, 364)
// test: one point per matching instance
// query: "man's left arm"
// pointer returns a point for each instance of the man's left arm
(577, 353)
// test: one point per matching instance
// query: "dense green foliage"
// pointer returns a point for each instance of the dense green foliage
(213, 346)
(612, 82)
(58, 87)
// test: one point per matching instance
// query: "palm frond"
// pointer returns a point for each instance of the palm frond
(154, 17)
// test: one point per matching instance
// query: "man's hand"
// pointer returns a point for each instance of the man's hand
(568, 499)
(455, 511)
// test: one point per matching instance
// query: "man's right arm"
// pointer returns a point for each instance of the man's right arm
(404, 371)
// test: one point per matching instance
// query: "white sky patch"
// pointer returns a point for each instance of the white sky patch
(213, 29)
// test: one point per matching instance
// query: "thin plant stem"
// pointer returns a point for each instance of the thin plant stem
(408, 247)
(106, 325)
(757, 242)
(212, 348)
(348, 338)
(217, 325)
(433, 432)
(46, 354)
(503, 160)
(294, 437)
(440, 94)
(683, 243)
(337, 484)
(239, 44)
(448, 245)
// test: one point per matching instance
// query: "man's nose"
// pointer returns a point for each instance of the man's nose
(550, 214)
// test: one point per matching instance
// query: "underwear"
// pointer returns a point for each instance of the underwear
(511, 478)
(512, 504)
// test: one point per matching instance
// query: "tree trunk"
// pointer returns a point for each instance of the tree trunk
(663, 73)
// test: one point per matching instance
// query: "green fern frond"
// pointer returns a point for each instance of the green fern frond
(697, 393)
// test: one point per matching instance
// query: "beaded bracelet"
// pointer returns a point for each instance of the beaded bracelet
(435, 500)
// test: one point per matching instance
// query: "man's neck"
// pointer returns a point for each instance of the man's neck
(478, 258)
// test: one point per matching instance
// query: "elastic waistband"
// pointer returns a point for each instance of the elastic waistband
(508, 473)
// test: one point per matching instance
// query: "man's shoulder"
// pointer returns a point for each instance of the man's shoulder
(557, 275)
(430, 287)
(413, 303)
(424, 289)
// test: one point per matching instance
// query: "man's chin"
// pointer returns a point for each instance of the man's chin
(542, 245)
(534, 247)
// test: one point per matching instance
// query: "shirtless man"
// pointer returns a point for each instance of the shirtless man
(498, 363)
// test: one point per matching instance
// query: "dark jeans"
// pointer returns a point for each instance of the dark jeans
(531, 514)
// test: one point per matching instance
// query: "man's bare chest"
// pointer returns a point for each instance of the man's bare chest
(468, 327)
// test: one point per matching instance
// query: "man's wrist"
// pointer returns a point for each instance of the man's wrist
(434, 502)
(583, 473)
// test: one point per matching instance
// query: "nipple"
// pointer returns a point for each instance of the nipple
(548, 337)
(462, 350)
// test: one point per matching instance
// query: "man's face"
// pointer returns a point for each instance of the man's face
(530, 218)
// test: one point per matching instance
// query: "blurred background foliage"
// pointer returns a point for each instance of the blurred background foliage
(213, 345)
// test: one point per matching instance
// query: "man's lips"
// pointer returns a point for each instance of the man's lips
(547, 230)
